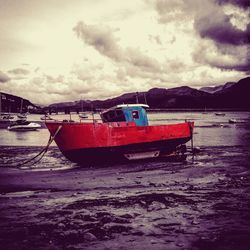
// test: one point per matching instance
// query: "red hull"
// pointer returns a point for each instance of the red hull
(80, 141)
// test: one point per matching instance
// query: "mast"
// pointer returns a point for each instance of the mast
(0, 103)
(21, 108)
(137, 97)
(145, 98)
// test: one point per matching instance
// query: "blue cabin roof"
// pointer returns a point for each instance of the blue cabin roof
(128, 113)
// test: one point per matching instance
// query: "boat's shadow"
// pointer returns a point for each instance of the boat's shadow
(134, 164)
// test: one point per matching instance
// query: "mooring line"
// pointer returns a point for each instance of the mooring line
(41, 153)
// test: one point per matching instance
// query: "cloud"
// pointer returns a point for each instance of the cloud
(3, 77)
(53, 79)
(101, 39)
(220, 29)
(229, 48)
(224, 33)
(169, 10)
(127, 47)
(138, 59)
(209, 18)
(225, 57)
(240, 3)
(19, 71)
(156, 39)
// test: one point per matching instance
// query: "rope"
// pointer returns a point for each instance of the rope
(191, 135)
(41, 153)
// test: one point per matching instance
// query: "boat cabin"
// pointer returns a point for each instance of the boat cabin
(126, 113)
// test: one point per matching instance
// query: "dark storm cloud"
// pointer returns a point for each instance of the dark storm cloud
(238, 66)
(232, 43)
(243, 68)
(221, 30)
(3, 77)
(240, 3)
(19, 71)
(223, 44)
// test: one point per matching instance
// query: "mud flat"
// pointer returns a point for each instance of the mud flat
(202, 203)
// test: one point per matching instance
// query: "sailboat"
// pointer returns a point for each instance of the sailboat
(205, 111)
(82, 115)
(46, 117)
(21, 124)
(4, 118)
(21, 115)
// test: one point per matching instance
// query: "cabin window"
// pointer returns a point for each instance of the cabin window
(135, 114)
(113, 116)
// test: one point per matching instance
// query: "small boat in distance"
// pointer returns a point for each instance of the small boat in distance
(22, 116)
(220, 114)
(123, 134)
(4, 121)
(205, 111)
(83, 116)
(23, 125)
(5, 116)
(46, 117)
(232, 121)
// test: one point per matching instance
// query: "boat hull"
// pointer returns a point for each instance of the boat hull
(124, 153)
(105, 142)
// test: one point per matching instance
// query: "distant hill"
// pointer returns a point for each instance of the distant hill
(229, 96)
(181, 97)
(215, 89)
(235, 96)
(16, 104)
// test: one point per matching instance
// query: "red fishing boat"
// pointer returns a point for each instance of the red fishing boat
(124, 133)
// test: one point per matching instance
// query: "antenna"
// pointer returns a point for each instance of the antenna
(137, 97)
(145, 98)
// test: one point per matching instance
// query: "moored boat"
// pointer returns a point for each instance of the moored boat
(4, 121)
(232, 120)
(46, 117)
(220, 114)
(22, 125)
(83, 116)
(5, 118)
(123, 134)
(21, 116)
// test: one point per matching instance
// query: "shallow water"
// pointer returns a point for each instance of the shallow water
(210, 130)
(200, 203)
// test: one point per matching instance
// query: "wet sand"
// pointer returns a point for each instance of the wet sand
(201, 203)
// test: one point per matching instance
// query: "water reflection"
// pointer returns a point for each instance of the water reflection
(21, 136)
(26, 138)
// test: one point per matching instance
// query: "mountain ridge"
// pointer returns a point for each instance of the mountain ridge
(231, 95)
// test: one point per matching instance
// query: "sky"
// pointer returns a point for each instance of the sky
(58, 50)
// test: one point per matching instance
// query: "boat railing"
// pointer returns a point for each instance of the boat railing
(121, 124)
